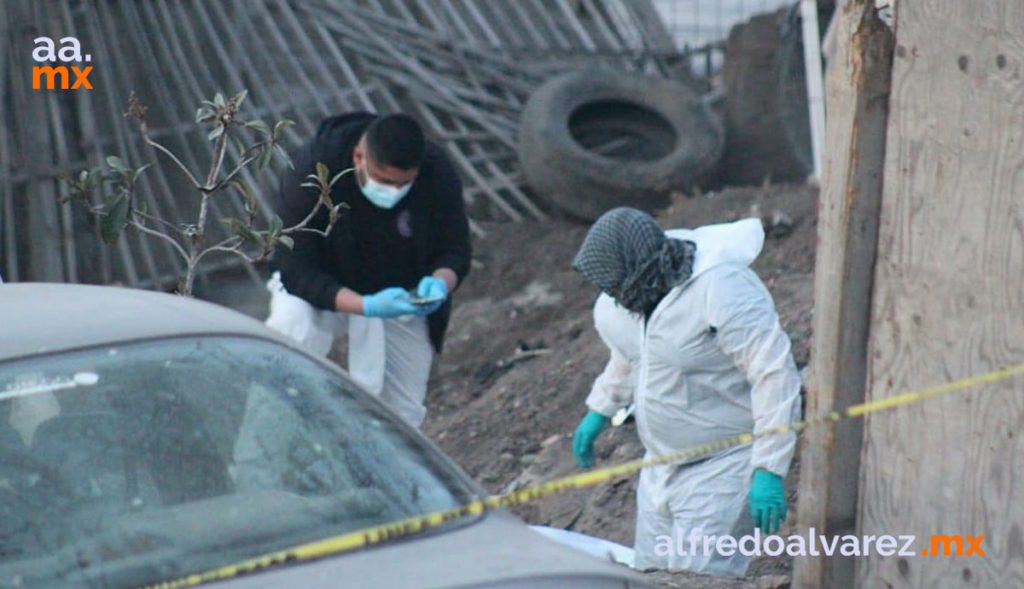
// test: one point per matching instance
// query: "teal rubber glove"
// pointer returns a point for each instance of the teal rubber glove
(431, 287)
(583, 441)
(388, 303)
(767, 501)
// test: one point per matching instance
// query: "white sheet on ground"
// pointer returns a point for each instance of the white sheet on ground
(599, 547)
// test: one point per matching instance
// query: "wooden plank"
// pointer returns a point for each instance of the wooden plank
(186, 105)
(60, 146)
(948, 297)
(656, 33)
(847, 240)
(111, 53)
(334, 51)
(314, 55)
(471, 7)
(454, 22)
(597, 19)
(296, 67)
(271, 76)
(158, 192)
(41, 236)
(497, 179)
(516, 27)
(460, 160)
(230, 65)
(87, 103)
(433, 22)
(546, 18)
(258, 94)
(6, 184)
(574, 23)
(96, 257)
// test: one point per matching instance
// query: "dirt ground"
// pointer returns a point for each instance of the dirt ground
(522, 354)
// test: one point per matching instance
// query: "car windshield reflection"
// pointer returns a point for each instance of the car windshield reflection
(126, 465)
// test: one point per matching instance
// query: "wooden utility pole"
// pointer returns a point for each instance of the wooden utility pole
(858, 98)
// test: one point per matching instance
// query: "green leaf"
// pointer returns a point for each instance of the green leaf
(264, 158)
(276, 225)
(239, 98)
(321, 173)
(116, 164)
(258, 125)
(336, 212)
(242, 230)
(216, 132)
(239, 144)
(280, 126)
(203, 114)
(247, 194)
(284, 156)
(218, 99)
(287, 241)
(139, 171)
(115, 219)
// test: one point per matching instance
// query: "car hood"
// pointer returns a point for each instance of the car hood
(496, 550)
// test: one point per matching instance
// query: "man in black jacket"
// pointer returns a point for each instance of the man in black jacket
(386, 272)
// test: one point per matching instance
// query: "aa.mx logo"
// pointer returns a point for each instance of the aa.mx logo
(50, 77)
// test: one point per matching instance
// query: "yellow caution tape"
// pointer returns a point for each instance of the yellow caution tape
(377, 534)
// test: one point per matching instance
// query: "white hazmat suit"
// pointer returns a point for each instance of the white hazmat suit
(712, 362)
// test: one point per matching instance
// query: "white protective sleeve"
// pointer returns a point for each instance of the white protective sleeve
(613, 388)
(741, 309)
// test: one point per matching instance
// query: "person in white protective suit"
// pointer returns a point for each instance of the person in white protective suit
(696, 344)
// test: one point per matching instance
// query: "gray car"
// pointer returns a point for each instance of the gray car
(145, 437)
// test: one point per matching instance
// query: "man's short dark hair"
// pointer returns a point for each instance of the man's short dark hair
(396, 141)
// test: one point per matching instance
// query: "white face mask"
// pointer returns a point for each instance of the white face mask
(382, 195)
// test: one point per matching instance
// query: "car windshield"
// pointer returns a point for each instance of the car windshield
(130, 464)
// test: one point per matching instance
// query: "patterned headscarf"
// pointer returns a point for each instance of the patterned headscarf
(628, 256)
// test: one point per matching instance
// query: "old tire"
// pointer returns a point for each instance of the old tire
(590, 141)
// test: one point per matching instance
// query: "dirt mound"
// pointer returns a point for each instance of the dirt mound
(522, 354)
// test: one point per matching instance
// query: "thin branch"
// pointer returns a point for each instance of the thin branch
(245, 256)
(241, 165)
(204, 207)
(306, 221)
(177, 246)
(320, 232)
(174, 158)
(226, 241)
(235, 249)
(218, 161)
(165, 222)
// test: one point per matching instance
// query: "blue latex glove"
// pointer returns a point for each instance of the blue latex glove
(388, 303)
(767, 501)
(431, 287)
(583, 441)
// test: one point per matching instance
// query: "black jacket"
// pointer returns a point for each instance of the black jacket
(316, 268)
